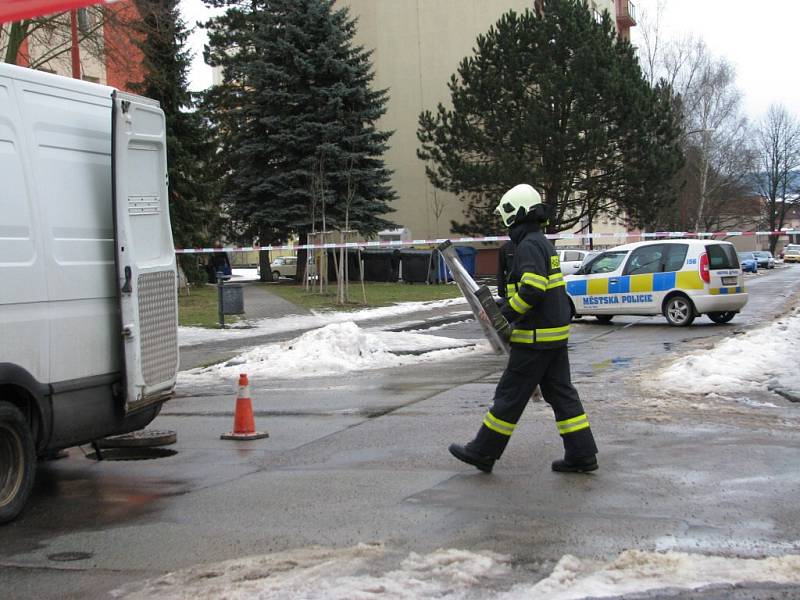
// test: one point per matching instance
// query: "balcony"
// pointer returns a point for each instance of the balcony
(626, 13)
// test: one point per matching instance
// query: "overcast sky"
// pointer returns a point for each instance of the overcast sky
(759, 37)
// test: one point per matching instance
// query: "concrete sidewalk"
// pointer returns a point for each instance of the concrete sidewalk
(260, 303)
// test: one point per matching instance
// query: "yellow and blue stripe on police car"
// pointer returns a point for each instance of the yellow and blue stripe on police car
(632, 289)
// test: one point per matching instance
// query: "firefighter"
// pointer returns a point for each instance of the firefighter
(505, 262)
(539, 314)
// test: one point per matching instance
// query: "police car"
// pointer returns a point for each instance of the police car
(680, 279)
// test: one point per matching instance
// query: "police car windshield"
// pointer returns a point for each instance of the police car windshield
(605, 262)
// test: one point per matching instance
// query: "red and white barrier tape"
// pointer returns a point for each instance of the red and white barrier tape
(495, 238)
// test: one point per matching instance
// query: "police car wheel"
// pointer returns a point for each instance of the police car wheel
(721, 317)
(679, 311)
(604, 318)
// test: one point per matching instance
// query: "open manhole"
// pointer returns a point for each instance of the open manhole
(131, 453)
(144, 438)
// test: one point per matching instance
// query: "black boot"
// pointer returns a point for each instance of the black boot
(469, 456)
(576, 465)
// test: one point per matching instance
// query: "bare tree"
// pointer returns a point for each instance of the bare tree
(778, 139)
(713, 109)
(650, 52)
(437, 206)
(44, 41)
(717, 147)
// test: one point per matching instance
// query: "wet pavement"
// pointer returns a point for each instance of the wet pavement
(362, 458)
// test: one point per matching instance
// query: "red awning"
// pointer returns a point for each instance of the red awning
(16, 10)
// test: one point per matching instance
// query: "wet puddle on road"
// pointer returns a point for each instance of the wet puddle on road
(612, 363)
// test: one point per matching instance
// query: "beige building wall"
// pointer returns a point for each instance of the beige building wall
(417, 46)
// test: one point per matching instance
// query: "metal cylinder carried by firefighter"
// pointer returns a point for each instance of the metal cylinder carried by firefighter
(495, 326)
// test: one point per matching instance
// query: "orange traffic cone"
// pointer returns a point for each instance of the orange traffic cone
(244, 427)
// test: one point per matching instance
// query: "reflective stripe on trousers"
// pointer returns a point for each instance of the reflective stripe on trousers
(573, 424)
(498, 425)
(530, 336)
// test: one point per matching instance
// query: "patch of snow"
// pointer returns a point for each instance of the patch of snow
(238, 275)
(321, 574)
(189, 336)
(757, 360)
(636, 571)
(356, 573)
(333, 350)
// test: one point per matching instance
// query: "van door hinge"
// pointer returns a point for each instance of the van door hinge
(127, 331)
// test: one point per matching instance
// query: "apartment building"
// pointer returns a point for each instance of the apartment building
(107, 53)
(417, 46)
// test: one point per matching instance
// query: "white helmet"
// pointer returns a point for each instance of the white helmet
(517, 202)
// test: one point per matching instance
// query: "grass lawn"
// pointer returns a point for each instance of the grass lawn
(378, 294)
(199, 309)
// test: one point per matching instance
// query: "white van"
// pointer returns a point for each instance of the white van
(88, 305)
(571, 260)
(680, 279)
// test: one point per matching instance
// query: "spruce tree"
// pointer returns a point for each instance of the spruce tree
(161, 37)
(558, 102)
(297, 119)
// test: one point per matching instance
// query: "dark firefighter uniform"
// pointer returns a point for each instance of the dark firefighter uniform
(505, 263)
(539, 314)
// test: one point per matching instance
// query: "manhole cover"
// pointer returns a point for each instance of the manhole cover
(144, 438)
(131, 454)
(70, 556)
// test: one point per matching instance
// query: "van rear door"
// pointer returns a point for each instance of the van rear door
(145, 254)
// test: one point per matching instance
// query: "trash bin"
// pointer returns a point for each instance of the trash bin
(353, 267)
(467, 257)
(418, 266)
(232, 299)
(379, 265)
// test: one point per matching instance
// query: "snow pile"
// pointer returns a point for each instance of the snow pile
(189, 336)
(336, 349)
(244, 275)
(635, 571)
(758, 360)
(320, 574)
(356, 573)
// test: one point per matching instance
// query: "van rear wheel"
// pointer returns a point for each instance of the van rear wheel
(276, 275)
(721, 317)
(604, 318)
(17, 461)
(679, 311)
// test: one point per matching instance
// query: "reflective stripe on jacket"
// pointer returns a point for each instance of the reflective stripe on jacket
(539, 311)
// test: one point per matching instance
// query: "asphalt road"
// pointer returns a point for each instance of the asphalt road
(363, 459)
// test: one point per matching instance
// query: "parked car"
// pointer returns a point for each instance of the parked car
(791, 254)
(765, 259)
(571, 260)
(748, 262)
(284, 266)
(680, 279)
